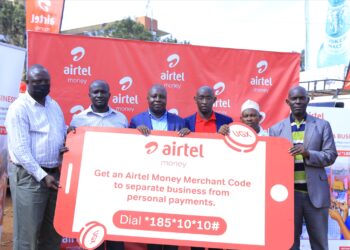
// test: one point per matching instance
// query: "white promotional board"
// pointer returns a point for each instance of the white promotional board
(199, 190)
(11, 69)
(338, 176)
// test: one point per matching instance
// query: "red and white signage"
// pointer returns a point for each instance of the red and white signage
(11, 69)
(338, 179)
(199, 190)
(131, 67)
(347, 79)
(44, 15)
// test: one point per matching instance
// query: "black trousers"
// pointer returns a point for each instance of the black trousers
(202, 248)
(111, 245)
(160, 247)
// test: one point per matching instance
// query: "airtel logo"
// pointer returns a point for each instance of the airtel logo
(261, 81)
(175, 150)
(78, 53)
(173, 111)
(219, 88)
(151, 147)
(173, 60)
(125, 82)
(44, 5)
(262, 66)
(173, 78)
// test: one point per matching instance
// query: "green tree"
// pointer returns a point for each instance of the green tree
(12, 23)
(171, 39)
(168, 39)
(130, 29)
(127, 29)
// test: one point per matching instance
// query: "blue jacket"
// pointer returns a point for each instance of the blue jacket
(175, 123)
(220, 120)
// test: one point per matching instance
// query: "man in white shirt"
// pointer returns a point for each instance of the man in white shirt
(36, 134)
(99, 114)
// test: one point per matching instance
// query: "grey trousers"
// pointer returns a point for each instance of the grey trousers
(33, 212)
(316, 220)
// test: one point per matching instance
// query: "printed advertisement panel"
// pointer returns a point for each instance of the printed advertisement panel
(11, 68)
(328, 29)
(44, 15)
(338, 178)
(200, 190)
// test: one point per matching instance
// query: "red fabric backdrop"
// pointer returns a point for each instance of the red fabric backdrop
(131, 67)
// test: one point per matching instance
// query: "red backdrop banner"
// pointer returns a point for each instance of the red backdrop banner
(44, 15)
(131, 67)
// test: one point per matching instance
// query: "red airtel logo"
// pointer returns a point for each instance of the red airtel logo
(174, 149)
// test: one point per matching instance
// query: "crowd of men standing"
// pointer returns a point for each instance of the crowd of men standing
(36, 140)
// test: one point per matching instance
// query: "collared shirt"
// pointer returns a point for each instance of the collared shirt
(298, 132)
(263, 132)
(36, 133)
(207, 126)
(160, 123)
(111, 118)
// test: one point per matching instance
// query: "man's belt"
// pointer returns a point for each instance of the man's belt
(47, 170)
(50, 170)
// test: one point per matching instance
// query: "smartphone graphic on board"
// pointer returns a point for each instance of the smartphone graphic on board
(199, 190)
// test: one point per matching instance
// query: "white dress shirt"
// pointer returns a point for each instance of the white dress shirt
(263, 132)
(111, 118)
(36, 133)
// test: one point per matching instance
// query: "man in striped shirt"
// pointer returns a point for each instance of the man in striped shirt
(313, 149)
(36, 134)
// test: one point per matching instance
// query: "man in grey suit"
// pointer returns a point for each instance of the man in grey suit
(313, 149)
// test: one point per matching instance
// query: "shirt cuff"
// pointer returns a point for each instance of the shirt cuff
(39, 174)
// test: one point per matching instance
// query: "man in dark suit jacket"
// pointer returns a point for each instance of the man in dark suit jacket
(313, 149)
(157, 118)
(206, 120)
